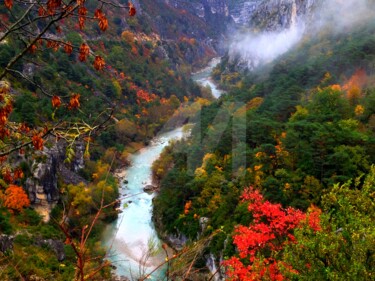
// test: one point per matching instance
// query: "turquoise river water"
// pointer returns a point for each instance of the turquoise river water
(132, 235)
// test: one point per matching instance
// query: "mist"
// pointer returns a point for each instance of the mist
(342, 15)
(256, 49)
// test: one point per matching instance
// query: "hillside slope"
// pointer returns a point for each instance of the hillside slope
(294, 129)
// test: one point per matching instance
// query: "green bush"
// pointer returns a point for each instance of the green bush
(5, 225)
(30, 217)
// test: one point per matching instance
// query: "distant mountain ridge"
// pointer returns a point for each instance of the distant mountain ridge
(212, 23)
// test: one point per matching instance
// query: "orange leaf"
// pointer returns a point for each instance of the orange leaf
(18, 174)
(74, 101)
(7, 176)
(53, 45)
(68, 48)
(99, 63)
(84, 51)
(24, 128)
(81, 22)
(16, 198)
(33, 49)
(8, 4)
(98, 13)
(103, 23)
(56, 101)
(82, 11)
(37, 142)
(52, 5)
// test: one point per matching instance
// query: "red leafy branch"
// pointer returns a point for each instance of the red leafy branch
(271, 229)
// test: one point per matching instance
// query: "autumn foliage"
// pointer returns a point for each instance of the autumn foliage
(16, 198)
(99, 63)
(259, 243)
(57, 16)
(84, 51)
(56, 101)
(37, 142)
(74, 101)
(32, 23)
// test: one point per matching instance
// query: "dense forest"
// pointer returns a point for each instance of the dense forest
(71, 118)
(275, 182)
(300, 132)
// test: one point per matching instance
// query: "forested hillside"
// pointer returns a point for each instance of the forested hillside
(299, 131)
(74, 105)
(275, 182)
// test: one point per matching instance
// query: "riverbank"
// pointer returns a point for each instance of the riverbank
(135, 249)
(179, 240)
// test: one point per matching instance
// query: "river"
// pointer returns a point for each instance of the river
(203, 77)
(131, 236)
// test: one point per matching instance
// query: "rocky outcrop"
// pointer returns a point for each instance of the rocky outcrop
(6, 243)
(212, 265)
(29, 69)
(212, 23)
(270, 15)
(56, 246)
(190, 31)
(264, 30)
(46, 168)
(203, 223)
(203, 9)
(42, 185)
(176, 241)
(150, 188)
(263, 14)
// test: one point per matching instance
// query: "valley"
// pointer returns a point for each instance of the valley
(242, 131)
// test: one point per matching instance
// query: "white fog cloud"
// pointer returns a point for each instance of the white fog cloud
(337, 15)
(258, 49)
(344, 14)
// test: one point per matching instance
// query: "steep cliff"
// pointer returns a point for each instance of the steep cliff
(269, 15)
(46, 168)
(203, 23)
(219, 26)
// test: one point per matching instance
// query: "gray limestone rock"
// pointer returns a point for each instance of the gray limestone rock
(6, 243)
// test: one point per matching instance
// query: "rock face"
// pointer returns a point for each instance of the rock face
(195, 28)
(260, 14)
(49, 165)
(177, 241)
(265, 29)
(269, 14)
(204, 9)
(55, 245)
(203, 222)
(214, 23)
(42, 186)
(29, 69)
(149, 188)
(6, 243)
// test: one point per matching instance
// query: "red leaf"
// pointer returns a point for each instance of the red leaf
(132, 10)
(8, 4)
